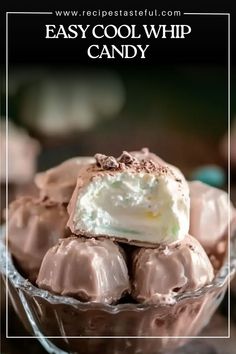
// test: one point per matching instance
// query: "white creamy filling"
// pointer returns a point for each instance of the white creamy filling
(140, 207)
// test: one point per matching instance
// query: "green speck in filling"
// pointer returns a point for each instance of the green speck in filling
(122, 230)
(116, 184)
(93, 215)
(175, 229)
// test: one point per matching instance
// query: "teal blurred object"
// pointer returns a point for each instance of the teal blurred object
(209, 174)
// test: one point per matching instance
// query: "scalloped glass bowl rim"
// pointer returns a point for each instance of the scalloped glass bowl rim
(8, 268)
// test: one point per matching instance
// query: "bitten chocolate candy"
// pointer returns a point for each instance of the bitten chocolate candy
(136, 200)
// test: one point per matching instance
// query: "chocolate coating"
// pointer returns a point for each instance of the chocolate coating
(160, 273)
(90, 270)
(210, 213)
(145, 154)
(58, 183)
(33, 227)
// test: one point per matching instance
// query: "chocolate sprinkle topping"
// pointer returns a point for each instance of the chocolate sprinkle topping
(106, 162)
(129, 161)
(127, 158)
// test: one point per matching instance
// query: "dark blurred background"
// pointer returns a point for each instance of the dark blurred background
(180, 112)
(174, 101)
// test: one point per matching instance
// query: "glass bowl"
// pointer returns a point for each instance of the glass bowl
(138, 328)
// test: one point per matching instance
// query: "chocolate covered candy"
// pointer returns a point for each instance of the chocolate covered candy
(210, 214)
(58, 182)
(87, 269)
(161, 273)
(33, 227)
